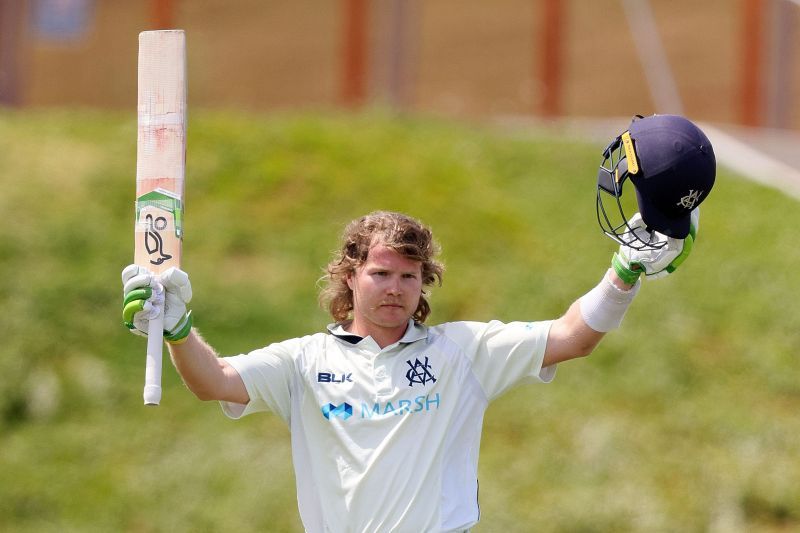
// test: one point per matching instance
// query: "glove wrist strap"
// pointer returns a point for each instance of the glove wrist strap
(623, 271)
(181, 331)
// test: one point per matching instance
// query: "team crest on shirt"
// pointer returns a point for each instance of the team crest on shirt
(419, 372)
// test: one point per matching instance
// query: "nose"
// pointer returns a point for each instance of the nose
(393, 288)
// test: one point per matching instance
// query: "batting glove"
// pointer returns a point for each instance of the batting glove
(146, 294)
(630, 263)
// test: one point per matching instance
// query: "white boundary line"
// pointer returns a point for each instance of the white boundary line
(652, 56)
(752, 163)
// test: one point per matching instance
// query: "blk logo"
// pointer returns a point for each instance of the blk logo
(343, 411)
(419, 372)
(330, 377)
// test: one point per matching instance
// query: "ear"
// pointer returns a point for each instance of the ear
(349, 279)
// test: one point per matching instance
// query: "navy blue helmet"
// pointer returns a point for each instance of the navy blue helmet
(672, 167)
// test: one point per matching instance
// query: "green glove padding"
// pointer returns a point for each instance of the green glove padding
(146, 294)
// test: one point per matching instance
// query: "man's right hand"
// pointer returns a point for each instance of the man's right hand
(146, 294)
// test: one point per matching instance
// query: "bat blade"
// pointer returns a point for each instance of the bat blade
(160, 170)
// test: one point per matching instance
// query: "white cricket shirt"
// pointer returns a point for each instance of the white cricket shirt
(388, 440)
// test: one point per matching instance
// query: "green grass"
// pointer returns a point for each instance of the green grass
(684, 420)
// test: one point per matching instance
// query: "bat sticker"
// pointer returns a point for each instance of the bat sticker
(153, 241)
(154, 211)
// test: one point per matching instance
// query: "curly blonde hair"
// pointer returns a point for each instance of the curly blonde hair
(403, 234)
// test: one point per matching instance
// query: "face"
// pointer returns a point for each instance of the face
(386, 292)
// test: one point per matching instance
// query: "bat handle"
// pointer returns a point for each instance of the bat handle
(152, 370)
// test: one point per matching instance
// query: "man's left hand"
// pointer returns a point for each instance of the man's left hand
(630, 263)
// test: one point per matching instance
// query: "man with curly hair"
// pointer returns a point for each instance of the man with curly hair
(385, 412)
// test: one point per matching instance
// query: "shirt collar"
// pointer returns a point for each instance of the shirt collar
(414, 332)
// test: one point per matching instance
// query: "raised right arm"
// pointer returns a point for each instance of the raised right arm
(205, 374)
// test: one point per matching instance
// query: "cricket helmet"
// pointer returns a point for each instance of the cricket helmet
(672, 167)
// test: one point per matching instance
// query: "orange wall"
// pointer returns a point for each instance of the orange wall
(471, 59)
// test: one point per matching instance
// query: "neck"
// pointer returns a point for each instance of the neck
(383, 336)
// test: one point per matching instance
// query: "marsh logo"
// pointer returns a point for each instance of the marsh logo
(419, 373)
(343, 411)
(408, 406)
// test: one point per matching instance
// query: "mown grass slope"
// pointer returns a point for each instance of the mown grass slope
(684, 420)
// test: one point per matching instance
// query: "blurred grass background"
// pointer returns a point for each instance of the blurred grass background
(684, 420)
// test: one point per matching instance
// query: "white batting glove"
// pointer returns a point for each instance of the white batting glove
(146, 294)
(630, 263)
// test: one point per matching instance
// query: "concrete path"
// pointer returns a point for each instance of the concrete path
(769, 157)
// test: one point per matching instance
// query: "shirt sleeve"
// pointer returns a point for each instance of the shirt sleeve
(505, 355)
(268, 374)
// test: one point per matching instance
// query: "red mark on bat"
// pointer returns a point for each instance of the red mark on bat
(150, 184)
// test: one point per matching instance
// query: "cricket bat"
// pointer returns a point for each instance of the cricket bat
(160, 166)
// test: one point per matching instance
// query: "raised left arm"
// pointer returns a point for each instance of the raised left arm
(601, 310)
(588, 319)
